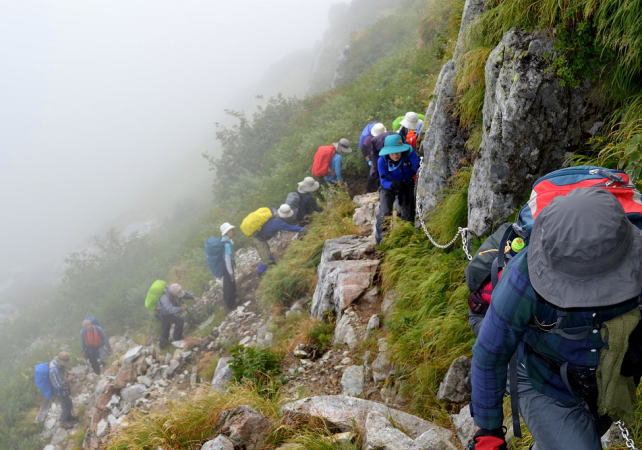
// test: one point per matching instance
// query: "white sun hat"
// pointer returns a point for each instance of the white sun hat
(377, 129)
(308, 184)
(285, 211)
(225, 228)
(410, 120)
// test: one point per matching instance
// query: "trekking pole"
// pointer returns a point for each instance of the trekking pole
(626, 435)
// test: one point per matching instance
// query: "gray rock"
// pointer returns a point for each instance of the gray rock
(132, 393)
(173, 365)
(244, 426)
(437, 438)
(340, 284)
(223, 373)
(132, 354)
(530, 122)
(219, 443)
(344, 412)
(612, 437)
(50, 447)
(347, 247)
(381, 435)
(143, 379)
(365, 215)
(101, 428)
(347, 330)
(352, 381)
(301, 352)
(455, 387)
(472, 10)
(381, 367)
(374, 323)
(464, 425)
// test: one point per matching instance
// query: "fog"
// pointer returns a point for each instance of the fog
(106, 105)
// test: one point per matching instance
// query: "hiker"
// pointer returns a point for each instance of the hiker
(94, 342)
(169, 311)
(377, 144)
(272, 226)
(397, 165)
(370, 158)
(302, 201)
(229, 281)
(410, 128)
(579, 276)
(60, 378)
(341, 148)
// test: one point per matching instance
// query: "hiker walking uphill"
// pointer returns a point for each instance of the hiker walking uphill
(370, 132)
(59, 378)
(94, 342)
(262, 225)
(398, 164)
(328, 161)
(410, 128)
(302, 201)
(567, 304)
(169, 310)
(219, 254)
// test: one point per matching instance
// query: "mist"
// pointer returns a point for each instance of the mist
(106, 107)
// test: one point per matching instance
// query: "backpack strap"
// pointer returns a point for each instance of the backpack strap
(514, 395)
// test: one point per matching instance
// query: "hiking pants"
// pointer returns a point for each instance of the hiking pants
(264, 250)
(405, 196)
(229, 291)
(66, 407)
(553, 425)
(93, 356)
(166, 324)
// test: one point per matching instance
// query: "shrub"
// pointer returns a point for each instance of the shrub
(259, 366)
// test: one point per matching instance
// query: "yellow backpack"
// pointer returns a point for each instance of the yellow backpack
(255, 220)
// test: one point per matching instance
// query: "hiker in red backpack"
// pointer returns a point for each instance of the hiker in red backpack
(328, 161)
(568, 307)
(94, 344)
(371, 158)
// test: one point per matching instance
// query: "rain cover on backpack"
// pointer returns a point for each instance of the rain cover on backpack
(321, 161)
(41, 378)
(154, 293)
(215, 255)
(255, 220)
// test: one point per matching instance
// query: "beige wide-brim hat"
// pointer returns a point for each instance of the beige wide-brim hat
(410, 120)
(377, 129)
(284, 211)
(308, 184)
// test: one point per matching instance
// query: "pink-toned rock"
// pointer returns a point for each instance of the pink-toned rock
(244, 426)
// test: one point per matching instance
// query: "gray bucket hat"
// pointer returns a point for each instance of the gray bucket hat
(584, 252)
(343, 146)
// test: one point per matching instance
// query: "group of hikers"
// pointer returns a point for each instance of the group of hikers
(554, 297)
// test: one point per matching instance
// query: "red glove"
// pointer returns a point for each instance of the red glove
(488, 440)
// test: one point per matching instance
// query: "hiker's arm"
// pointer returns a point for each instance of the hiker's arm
(500, 333)
(284, 226)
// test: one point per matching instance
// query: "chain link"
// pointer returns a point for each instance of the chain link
(626, 435)
(463, 232)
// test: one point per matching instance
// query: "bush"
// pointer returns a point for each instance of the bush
(320, 336)
(258, 366)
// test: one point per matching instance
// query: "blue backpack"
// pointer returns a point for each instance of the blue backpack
(214, 255)
(41, 378)
(365, 133)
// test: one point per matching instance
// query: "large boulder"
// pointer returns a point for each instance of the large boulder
(530, 122)
(455, 387)
(340, 283)
(344, 412)
(244, 426)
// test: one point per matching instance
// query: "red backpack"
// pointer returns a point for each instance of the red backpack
(411, 138)
(92, 338)
(321, 161)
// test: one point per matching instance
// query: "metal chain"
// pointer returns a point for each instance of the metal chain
(626, 435)
(463, 232)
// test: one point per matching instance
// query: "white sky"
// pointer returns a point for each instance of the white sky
(99, 98)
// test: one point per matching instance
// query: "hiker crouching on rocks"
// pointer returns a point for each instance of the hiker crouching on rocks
(266, 232)
(302, 201)
(169, 311)
(60, 378)
(95, 344)
(579, 278)
(229, 280)
(342, 148)
(398, 164)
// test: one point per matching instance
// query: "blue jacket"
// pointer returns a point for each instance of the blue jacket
(273, 226)
(404, 170)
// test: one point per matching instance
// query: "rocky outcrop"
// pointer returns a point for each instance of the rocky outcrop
(223, 373)
(218, 443)
(530, 122)
(352, 381)
(472, 10)
(365, 215)
(244, 426)
(455, 388)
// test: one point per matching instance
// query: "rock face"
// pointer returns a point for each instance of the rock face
(530, 121)
(244, 426)
(472, 9)
(347, 247)
(455, 388)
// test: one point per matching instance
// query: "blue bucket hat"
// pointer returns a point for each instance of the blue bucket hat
(393, 144)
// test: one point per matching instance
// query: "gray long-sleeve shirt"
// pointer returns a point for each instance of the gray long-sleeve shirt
(168, 305)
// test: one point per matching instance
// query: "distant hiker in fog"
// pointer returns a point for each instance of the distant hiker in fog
(229, 280)
(60, 378)
(271, 227)
(369, 156)
(169, 311)
(95, 344)
(302, 201)
(328, 161)
(398, 163)
(410, 128)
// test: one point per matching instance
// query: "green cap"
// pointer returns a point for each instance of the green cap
(517, 245)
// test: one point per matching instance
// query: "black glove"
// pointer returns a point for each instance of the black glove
(396, 185)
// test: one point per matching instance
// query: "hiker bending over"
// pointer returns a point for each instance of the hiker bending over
(398, 164)
(341, 148)
(578, 280)
(302, 201)
(268, 230)
(60, 378)
(410, 128)
(95, 345)
(370, 157)
(169, 311)
(229, 280)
